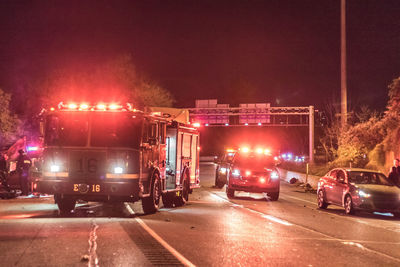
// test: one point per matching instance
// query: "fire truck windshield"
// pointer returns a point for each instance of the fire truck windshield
(115, 130)
(66, 129)
(107, 129)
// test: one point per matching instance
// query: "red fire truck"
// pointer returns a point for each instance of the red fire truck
(114, 153)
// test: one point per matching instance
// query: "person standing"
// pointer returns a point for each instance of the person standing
(393, 176)
(4, 171)
(24, 163)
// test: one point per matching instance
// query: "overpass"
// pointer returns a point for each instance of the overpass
(211, 114)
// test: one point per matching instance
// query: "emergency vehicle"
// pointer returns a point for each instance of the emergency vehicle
(115, 153)
(222, 165)
(253, 171)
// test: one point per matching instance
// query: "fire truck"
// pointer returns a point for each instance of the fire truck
(115, 153)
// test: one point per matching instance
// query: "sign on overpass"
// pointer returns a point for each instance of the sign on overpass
(211, 114)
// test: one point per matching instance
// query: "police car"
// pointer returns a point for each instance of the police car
(253, 171)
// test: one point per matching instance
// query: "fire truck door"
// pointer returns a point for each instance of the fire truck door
(163, 153)
(186, 152)
(149, 152)
(171, 158)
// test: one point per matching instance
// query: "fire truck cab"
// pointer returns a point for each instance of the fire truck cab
(114, 153)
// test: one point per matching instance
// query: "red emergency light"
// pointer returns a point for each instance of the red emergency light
(83, 106)
(98, 106)
(72, 106)
(101, 106)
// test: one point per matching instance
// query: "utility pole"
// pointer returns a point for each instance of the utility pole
(343, 81)
(311, 134)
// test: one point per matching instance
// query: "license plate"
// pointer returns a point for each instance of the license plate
(86, 188)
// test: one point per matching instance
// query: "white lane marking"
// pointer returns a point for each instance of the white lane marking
(263, 215)
(351, 243)
(274, 219)
(350, 218)
(93, 259)
(173, 251)
(314, 203)
(329, 236)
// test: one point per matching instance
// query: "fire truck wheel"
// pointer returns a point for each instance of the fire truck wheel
(66, 205)
(184, 194)
(151, 203)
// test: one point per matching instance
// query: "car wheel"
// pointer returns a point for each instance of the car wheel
(230, 193)
(321, 200)
(348, 205)
(274, 196)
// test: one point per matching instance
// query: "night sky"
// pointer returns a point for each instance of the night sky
(286, 51)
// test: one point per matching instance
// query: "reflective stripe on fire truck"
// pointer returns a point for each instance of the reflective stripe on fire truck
(123, 176)
(55, 174)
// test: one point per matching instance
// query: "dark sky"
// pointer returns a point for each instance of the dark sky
(288, 51)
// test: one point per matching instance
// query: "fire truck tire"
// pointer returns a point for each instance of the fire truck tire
(66, 205)
(230, 193)
(151, 203)
(184, 194)
(168, 199)
(274, 196)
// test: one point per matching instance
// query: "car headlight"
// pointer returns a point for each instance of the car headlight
(222, 170)
(274, 175)
(363, 194)
(236, 173)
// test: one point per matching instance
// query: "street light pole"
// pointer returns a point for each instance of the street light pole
(343, 82)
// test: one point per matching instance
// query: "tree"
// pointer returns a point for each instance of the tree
(116, 80)
(9, 123)
(394, 96)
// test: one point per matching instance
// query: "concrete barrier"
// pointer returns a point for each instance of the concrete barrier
(312, 180)
(207, 158)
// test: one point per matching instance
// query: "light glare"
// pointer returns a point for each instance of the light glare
(118, 170)
(54, 168)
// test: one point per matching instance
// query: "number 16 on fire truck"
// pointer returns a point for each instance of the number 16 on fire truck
(114, 153)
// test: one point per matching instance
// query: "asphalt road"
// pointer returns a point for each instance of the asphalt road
(210, 230)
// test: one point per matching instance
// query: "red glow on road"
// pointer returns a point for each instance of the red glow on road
(18, 216)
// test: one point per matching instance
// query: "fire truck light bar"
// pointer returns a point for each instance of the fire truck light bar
(98, 106)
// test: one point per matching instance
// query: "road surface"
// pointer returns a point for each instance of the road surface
(210, 230)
